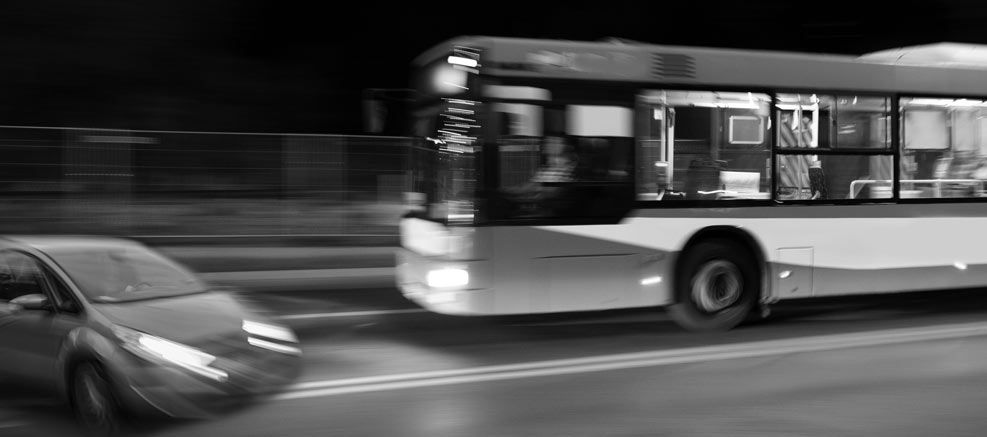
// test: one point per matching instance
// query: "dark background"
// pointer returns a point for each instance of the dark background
(295, 67)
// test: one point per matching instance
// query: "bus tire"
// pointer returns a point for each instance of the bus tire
(716, 287)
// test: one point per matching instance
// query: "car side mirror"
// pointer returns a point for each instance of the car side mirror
(32, 302)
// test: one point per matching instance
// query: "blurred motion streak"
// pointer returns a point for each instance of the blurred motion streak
(156, 183)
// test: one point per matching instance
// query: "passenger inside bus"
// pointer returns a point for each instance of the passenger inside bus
(560, 162)
(563, 162)
(793, 170)
(549, 192)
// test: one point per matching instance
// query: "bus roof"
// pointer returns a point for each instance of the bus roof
(943, 68)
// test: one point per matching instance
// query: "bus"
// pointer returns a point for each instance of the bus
(567, 176)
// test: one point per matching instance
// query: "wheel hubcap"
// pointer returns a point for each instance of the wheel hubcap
(717, 285)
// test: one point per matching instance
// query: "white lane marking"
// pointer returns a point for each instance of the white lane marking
(349, 314)
(630, 360)
(12, 424)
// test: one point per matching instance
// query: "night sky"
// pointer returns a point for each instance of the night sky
(295, 67)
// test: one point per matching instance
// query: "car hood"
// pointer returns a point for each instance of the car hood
(186, 319)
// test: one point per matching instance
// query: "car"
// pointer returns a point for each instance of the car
(120, 330)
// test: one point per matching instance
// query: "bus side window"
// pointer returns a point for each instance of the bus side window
(519, 142)
(593, 159)
(703, 145)
(601, 133)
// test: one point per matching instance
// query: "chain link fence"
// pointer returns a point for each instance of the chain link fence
(163, 183)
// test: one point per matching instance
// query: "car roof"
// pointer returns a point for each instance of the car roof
(59, 243)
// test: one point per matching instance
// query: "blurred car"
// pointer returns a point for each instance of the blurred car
(120, 329)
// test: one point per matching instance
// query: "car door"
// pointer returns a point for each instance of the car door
(13, 319)
(30, 339)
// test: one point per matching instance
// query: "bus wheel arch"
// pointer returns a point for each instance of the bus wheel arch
(720, 280)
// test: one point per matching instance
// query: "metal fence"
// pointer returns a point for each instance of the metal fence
(162, 183)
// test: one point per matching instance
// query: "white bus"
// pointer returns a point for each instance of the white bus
(559, 176)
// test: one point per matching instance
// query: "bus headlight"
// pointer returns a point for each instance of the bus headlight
(447, 278)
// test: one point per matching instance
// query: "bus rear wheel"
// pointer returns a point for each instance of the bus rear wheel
(716, 287)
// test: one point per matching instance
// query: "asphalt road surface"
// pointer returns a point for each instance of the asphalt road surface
(912, 365)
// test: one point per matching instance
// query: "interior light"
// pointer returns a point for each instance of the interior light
(930, 102)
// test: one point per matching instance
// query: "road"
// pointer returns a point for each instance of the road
(374, 365)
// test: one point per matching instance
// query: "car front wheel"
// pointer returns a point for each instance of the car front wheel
(93, 401)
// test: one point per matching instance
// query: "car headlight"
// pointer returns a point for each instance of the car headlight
(158, 349)
(274, 332)
(268, 330)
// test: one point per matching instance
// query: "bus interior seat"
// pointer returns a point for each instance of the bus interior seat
(741, 183)
(703, 177)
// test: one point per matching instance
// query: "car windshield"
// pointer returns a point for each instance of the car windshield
(122, 274)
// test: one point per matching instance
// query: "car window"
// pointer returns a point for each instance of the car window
(65, 301)
(20, 275)
(121, 274)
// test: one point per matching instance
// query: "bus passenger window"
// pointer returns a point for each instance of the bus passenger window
(702, 145)
(944, 148)
(813, 132)
(519, 141)
(576, 167)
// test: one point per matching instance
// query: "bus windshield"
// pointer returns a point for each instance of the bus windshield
(444, 164)
(443, 170)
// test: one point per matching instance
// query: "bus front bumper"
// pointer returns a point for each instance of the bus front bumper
(443, 286)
